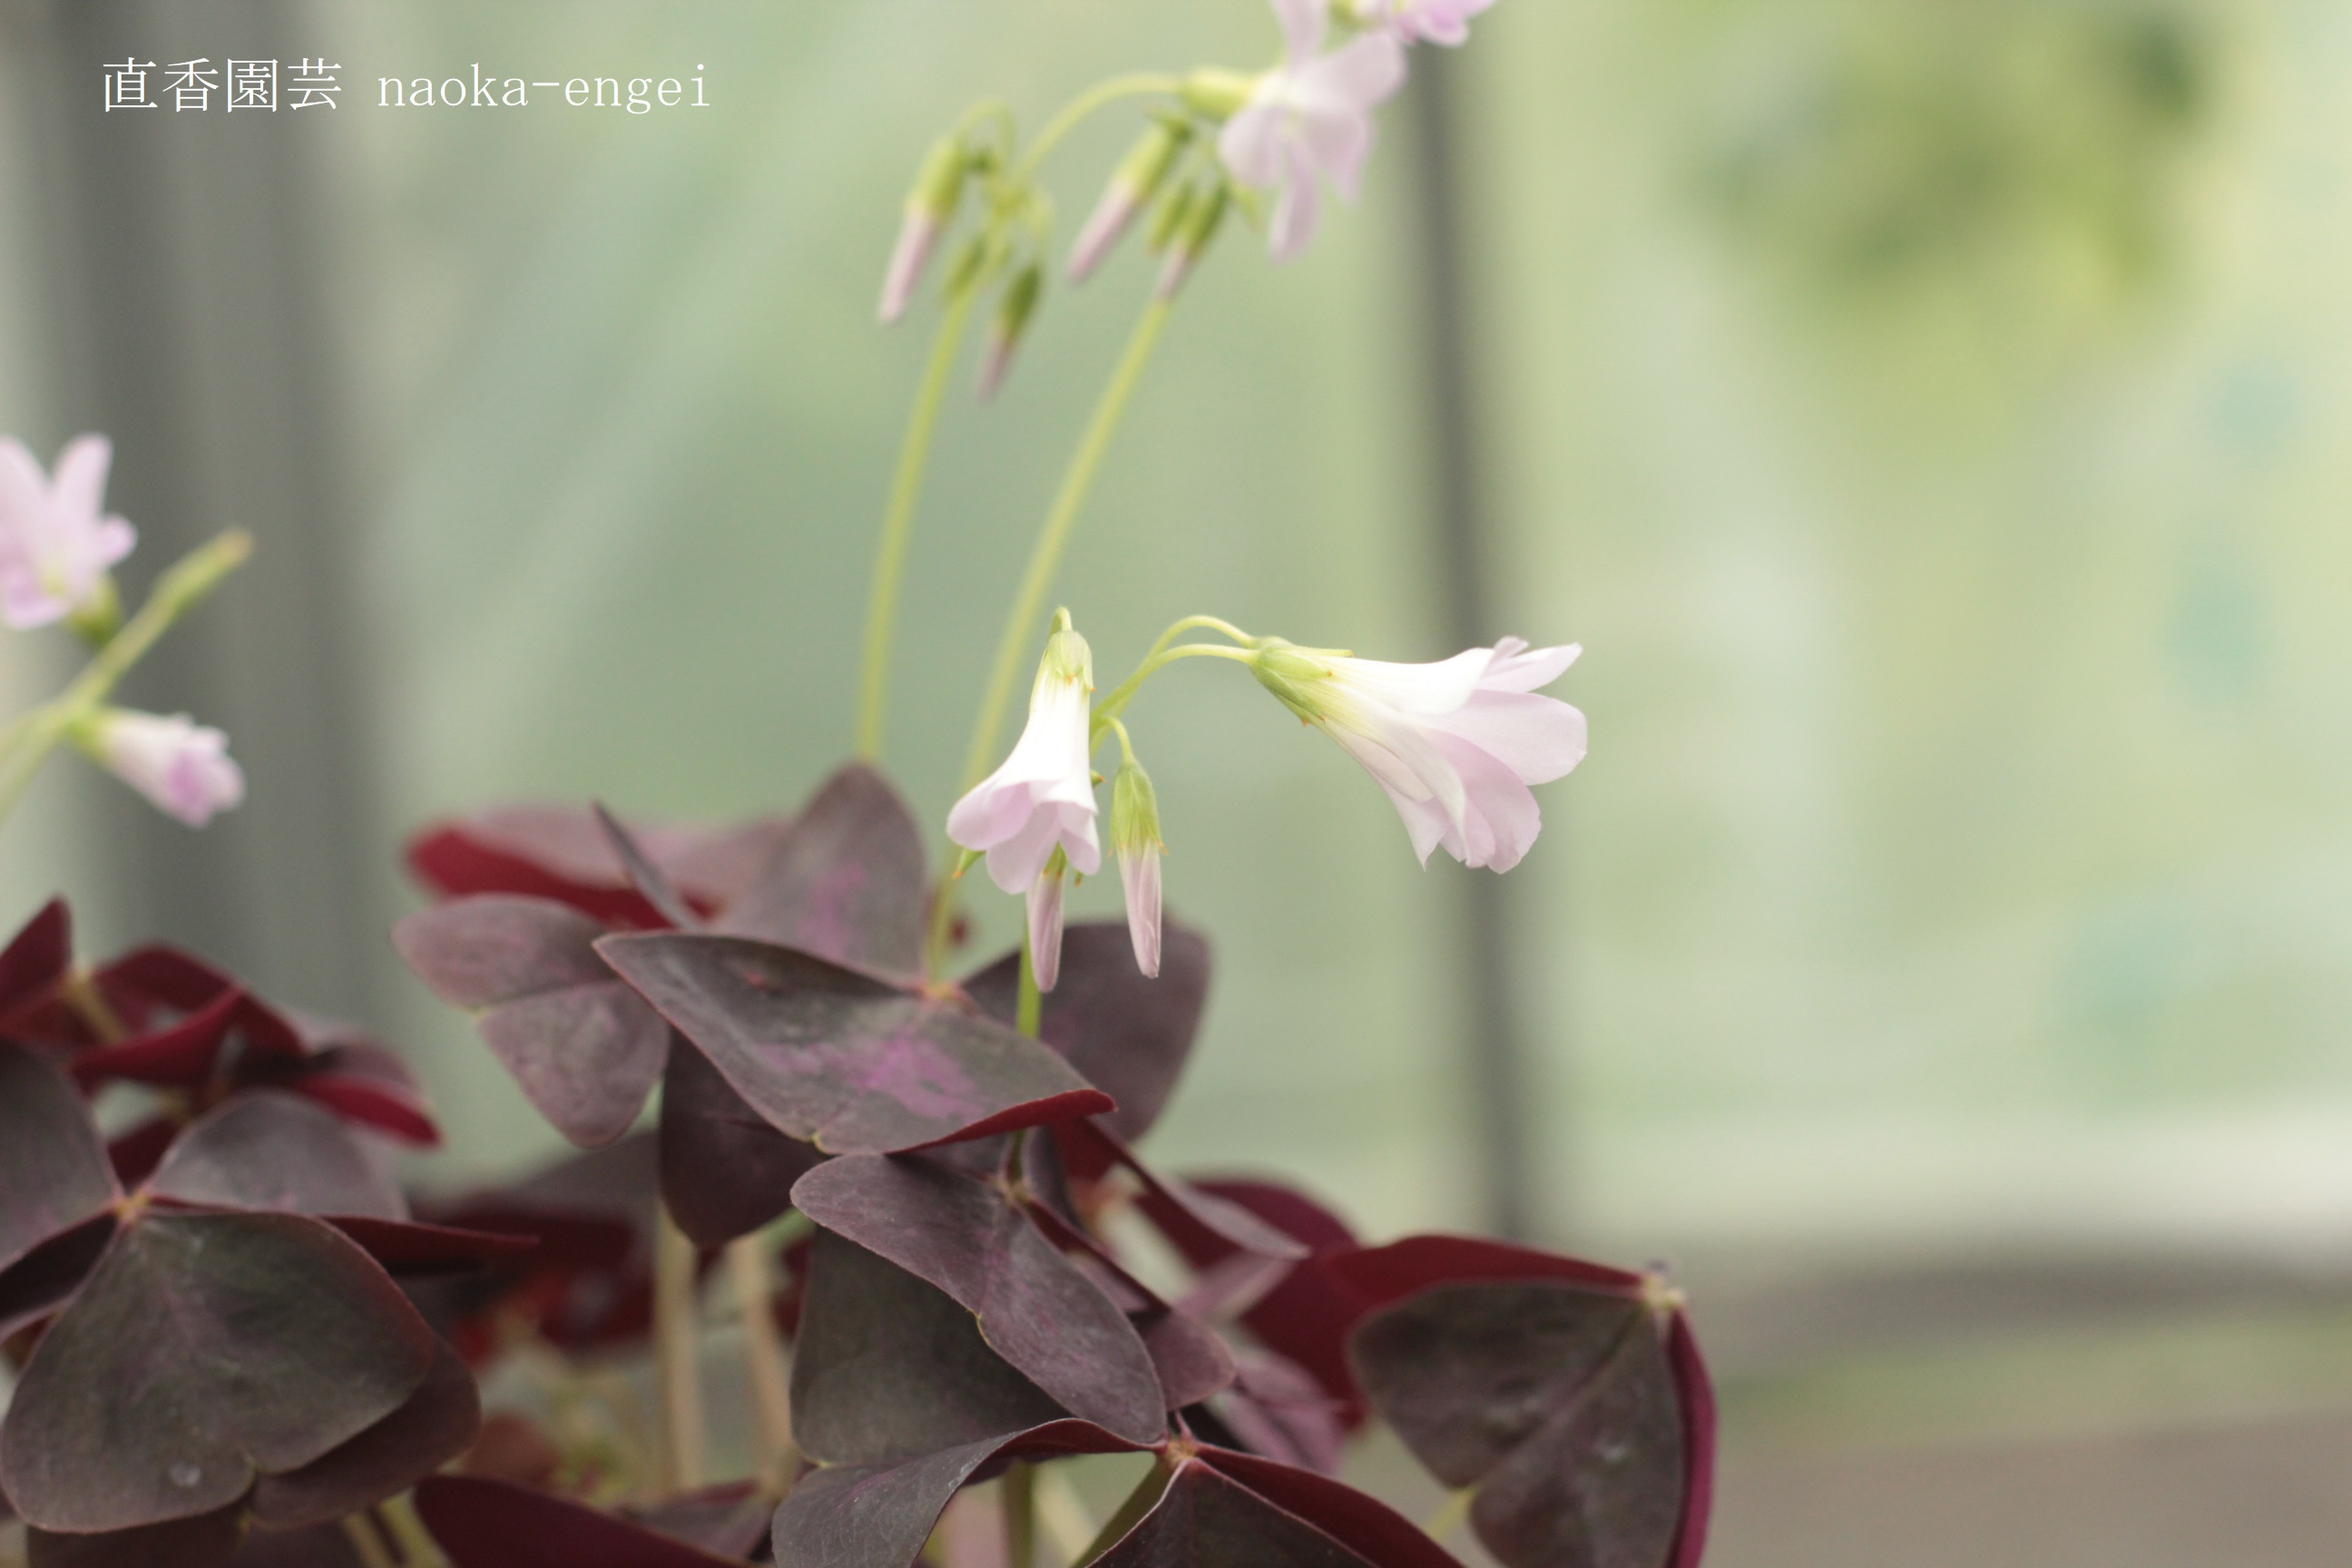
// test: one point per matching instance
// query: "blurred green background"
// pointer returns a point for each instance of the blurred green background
(1930, 416)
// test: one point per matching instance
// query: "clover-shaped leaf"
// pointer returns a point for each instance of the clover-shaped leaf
(1036, 1308)
(205, 1351)
(1128, 1036)
(53, 1170)
(1569, 1394)
(483, 1523)
(38, 956)
(432, 1426)
(583, 1047)
(849, 1062)
(847, 883)
(725, 1171)
(562, 853)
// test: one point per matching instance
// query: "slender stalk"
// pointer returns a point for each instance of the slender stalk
(1134, 84)
(1020, 1515)
(764, 1354)
(366, 1544)
(1061, 1515)
(1449, 1516)
(397, 1517)
(35, 735)
(899, 524)
(677, 1365)
(1030, 1006)
(1045, 555)
(1107, 712)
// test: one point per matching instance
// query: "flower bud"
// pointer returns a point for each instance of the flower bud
(182, 766)
(1044, 910)
(1139, 177)
(1216, 94)
(1202, 213)
(1068, 656)
(1135, 840)
(1018, 303)
(930, 206)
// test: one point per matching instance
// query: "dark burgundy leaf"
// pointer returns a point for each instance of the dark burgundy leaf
(1389, 1273)
(725, 1172)
(846, 884)
(53, 1169)
(270, 1150)
(38, 956)
(1128, 1036)
(356, 1078)
(204, 1541)
(137, 1152)
(409, 1250)
(839, 1059)
(1277, 1410)
(482, 1523)
(1035, 1309)
(1696, 1391)
(1205, 1517)
(731, 1520)
(438, 1423)
(40, 1282)
(1191, 1361)
(652, 884)
(879, 1516)
(1556, 1400)
(1364, 1524)
(560, 853)
(886, 1367)
(583, 1045)
(207, 1349)
(1168, 1201)
(322, 1546)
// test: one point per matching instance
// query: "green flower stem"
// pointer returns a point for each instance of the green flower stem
(1030, 1006)
(1134, 84)
(28, 743)
(1020, 1500)
(677, 1368)
(1107, 712)
(764, 1358)
(1045, 555)
(898, 525)
(1125, 746)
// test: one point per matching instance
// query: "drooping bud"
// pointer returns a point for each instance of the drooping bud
(1139, 177)
(182, 766)
(1018, 303)
(1046, 922)
(1169, 218)
(1202, 213)
(931, 204)
(1216, 94)
(1135, 840)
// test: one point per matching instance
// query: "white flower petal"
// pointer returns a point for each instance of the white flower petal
(1539, 737)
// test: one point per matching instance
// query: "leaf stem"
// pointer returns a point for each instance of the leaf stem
(899, 524)
(366, 1544)
(1020, 1500)
(764, 1355)
(1045, 555)
(676, 1364)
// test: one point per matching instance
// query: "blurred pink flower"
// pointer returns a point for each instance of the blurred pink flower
(1455, 744)
(1309, 118)
(1444, 22)
(1042, 798)
(55, 544)
(182, 766)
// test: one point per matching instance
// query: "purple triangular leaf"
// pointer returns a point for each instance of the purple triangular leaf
(1366, 1525)
(1090, 1145)
(436, 1424)
(652, 884)
(1554, 1399)
(1277, 1410)
(1205, 1517)
(43, 1280)
(53, 1170)
(846, 884)
(886, 1367)
(483, 1523)
(725, 1172)
(36, 959)
(1191, 1361)
(838, 1058)
(207, 1349)
(1037, 1309)
(1128, 1035)
(272, 1150)
(585, 1048)
(879, 1516)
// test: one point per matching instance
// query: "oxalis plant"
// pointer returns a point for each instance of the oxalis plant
(913, 1195)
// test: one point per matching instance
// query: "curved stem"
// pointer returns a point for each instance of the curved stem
(1045, 555)
(1134, 84)
(898, 526)
(1107, 710)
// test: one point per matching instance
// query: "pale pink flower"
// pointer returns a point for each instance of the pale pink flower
(1042, 798)
(182, 766)
(1455, 744)
(1309, 120)
(1444, 22)
(1135, 841)
(56, 544)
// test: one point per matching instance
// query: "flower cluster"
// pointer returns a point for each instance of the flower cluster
(58, 547)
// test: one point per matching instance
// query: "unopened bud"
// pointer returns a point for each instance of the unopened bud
(1013, 313)
(1139, 175)
(1202, 213)
(1217, 94)
(1135, 840)
(1045, 913)
(931, 204)
(1067, 657)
